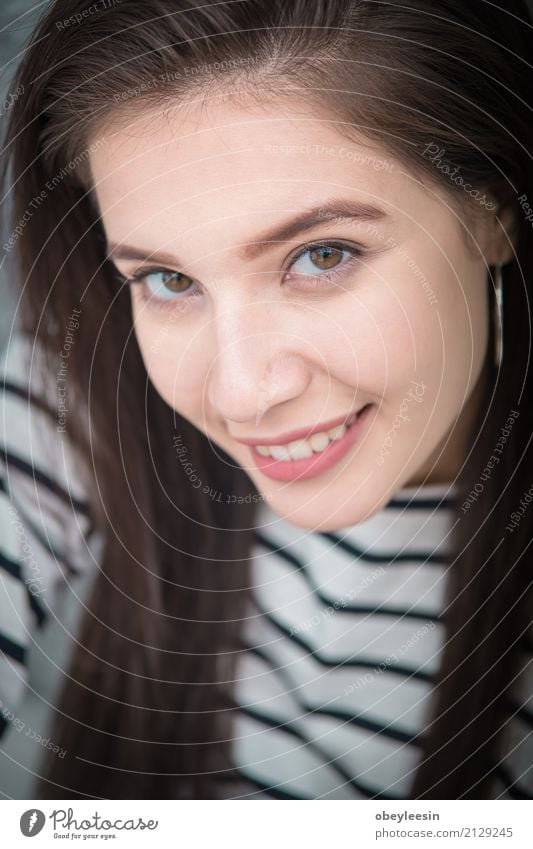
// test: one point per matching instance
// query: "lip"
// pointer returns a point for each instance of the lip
(302, 433)
(308, 467)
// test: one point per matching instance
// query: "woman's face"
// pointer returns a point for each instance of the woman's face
(288, 278)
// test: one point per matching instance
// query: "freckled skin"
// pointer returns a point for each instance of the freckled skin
(253, 354)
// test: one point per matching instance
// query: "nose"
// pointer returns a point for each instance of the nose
(255, 367)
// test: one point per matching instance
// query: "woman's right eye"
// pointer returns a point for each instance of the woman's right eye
(161, 284)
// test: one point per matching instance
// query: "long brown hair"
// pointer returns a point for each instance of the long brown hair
(146, 711)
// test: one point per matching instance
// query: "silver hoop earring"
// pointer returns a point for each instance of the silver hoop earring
(498, 316)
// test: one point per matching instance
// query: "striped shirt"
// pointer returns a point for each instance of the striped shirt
(344, 639)
(343, 633)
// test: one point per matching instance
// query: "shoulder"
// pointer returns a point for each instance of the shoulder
(32, 425)
(46, 530)
(42, 472)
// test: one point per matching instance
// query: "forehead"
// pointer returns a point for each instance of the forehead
(240, 163)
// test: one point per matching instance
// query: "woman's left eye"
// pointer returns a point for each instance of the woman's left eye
(324, 260)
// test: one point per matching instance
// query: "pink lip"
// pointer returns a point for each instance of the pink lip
(308, 467)
(302, 433)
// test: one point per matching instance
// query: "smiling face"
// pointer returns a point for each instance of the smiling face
(287, 277)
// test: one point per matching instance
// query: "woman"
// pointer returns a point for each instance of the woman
(276, 263)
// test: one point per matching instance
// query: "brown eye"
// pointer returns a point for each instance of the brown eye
(174, 281)
(323, 261)
(325, 257)
(164, 285)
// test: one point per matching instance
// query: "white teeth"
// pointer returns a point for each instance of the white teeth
(319, 441)
(337, 432)
(303, 448)
(300, 449)
(280, 452)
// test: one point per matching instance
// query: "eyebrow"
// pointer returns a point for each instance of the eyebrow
(326, 213)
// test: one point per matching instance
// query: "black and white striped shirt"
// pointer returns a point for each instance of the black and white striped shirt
(343, 631)
(344, 641)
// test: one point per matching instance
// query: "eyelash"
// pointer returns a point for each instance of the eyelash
(356, 251)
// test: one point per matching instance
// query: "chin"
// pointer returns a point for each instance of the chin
(312, 517)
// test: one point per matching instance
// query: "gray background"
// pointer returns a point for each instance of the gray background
(17, 19)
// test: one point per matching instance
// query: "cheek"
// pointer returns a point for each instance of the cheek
(381, 337)
(433, 314)
(414, 318)
(173, 360)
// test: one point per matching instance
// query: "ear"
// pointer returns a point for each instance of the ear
(499, 233)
